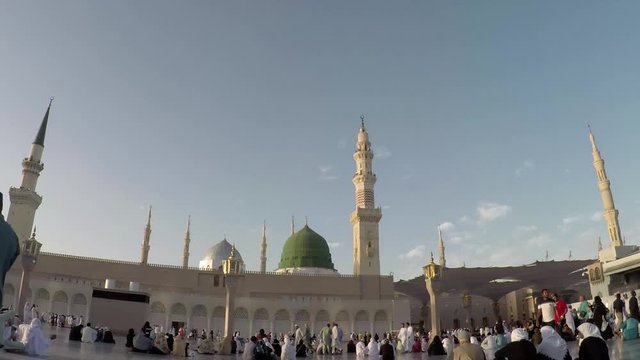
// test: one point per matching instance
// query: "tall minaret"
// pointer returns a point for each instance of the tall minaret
(443, 261)
(24, 199)
(366, 217)
(144, 257)
(293, 225)
(187, 241)
(610, 213)
(263, 249)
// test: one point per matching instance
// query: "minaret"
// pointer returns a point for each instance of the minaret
(599, 244)
(293, 227)
(144, 257)
(366, 217)
(443, 261)
(187, 241)
(610, 213)
(24, 199)
(263, 249)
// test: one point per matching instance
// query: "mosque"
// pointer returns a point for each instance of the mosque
(305, 289)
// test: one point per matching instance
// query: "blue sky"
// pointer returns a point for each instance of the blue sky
(241, 111)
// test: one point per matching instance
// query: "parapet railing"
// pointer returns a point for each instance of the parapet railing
(193, 268)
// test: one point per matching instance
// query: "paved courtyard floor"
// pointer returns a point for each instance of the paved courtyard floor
(62, 348)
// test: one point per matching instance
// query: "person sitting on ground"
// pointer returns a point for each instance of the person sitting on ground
(436, 348)
(130, 337)
(567, 334)
(552, 346)
(592, 345)
(107, 336)
(146, 329)
(142, 343)
(160, 346)
(206, 346)
(249, 349)
(301, 349)
(629, 329)
(489, 346)
(447, 344)
(519, 348)
(467, 350)
(424, 344)
(351, 345)
(387, 351)
(75, 334)
(261, 351)
(374, 348)
(416, 347)
(89, 334)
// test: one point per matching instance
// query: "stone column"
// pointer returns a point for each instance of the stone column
(28, 264)
(466, 305)
(435, 320)
(231, 283)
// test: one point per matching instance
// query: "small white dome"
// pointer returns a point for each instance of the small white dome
(218, 253)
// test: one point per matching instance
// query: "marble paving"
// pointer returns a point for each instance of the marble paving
(61, 348)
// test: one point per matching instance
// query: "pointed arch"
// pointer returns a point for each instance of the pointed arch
(362, 316)
(199, 310)
(42, 294)
(158, 308)
(61, 296)
(218, 312)
(240, 313)
(261, 314)
(380, 315)
(322, 315)
(302, 315)
(79, 299)
(342, 315)
(282, 314)
(178, 309)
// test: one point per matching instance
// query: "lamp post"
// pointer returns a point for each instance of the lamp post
(431, 271)
(233, 269)
(466, 305)
(28, 257)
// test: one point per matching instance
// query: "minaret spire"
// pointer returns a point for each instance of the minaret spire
(187, 242)
(442, 260)
(144, 257)
(293, 226)
(366, 217)
(24, 199)
(610, 212)
(263, 248)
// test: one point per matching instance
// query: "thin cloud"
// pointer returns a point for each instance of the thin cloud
(418, 252)
(447, 226)
(488, 211)
(334, 244)
(326, 173)
(382, 152)
(570, 220)
(596, 216)
(526, 165)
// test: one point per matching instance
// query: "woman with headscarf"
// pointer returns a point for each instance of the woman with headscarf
(27, 313)
(180, 343)
(424, 344)
(552, 347)
(36, 343)
(600, 312)
(374, 348)
(447, 344)
(501, 339)
(519, 348)
(436, 348)
(130, 335)
(592, 345)
(387, 351)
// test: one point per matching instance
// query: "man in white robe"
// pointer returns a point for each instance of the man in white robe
(409, 341)
(299, 334)
(402, 336)
(34, 341)
(26, 314)
(361, 349)
(335, 338)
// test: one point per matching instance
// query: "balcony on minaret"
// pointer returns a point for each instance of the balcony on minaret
(31, 247)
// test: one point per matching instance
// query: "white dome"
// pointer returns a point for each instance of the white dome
(217, 254)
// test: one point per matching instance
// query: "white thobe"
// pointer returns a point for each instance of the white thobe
(89, 335)
(373, 349)
(408, 342)
(334, 336)
(361, 349)
(299, 335)
(402, 336)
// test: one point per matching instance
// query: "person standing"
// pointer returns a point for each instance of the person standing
(546, 309)
(634, 312)
(583, 309)
(409, 338)
(325, 335)
(402, 337)
(335, 337)
(467, 350)
(618, 310)
(560, 311)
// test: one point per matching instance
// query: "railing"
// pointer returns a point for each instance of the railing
(193, 268)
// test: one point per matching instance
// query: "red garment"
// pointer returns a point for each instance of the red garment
(417, 346)
(561, 309)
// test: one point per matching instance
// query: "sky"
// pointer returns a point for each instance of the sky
(239, 112)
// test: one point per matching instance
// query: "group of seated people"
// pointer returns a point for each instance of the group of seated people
(88, 334)
(154, 341)
(19, 337)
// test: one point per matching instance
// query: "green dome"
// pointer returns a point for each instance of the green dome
(306, 248)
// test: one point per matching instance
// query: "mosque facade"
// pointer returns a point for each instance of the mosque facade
(305, 288)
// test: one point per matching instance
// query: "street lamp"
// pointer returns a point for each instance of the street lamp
(233, 269)
(28, 257)
(431, 272)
